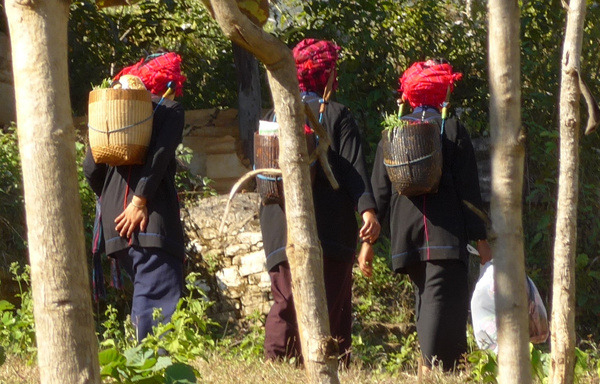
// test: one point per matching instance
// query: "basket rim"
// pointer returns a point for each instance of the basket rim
(109, 94)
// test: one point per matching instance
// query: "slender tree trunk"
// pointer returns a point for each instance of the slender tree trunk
(303, 250)
(507, 180)
(67, 345)
(249, 109)
(563, 284)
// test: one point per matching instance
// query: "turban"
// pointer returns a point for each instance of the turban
(158, 72)
(426, 83)
(315, 59)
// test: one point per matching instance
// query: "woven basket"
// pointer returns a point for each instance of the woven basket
(120, 125)
(266, 155)
(412, 155)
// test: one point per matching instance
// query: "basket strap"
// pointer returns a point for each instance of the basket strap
(131, 125)
(124, 128)
(410, 161)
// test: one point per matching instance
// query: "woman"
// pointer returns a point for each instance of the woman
(430, 232)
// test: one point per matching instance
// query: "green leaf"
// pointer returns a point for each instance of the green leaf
(162, 363)
(582, 260)
(109, 355)
(5, 305)
(138, 356)
(180, 373)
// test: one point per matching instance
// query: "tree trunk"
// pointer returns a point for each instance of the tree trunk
(563, 284)
(67, 345)
(303, 250)
(507, 181)
(249, 101)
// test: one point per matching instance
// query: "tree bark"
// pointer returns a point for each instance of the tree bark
(563, 282)
(303, 250)
(507, 180)
(249, 100)
(67, 345)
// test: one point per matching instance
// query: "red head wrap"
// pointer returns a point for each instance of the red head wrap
(158, 72)
(315, 59)
(426, 83)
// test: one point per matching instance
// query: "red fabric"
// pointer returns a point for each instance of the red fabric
(315, 59)
(157, 73)
(426, 83)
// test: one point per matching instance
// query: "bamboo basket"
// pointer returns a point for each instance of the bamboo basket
(412, 156)
(266, 155)
(120, 125)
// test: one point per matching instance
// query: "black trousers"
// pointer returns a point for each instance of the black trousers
(442, 304)
(281, 328)
(157, 278)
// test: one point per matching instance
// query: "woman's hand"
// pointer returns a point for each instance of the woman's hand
(371, 228)
(135, 215)
(365, 259)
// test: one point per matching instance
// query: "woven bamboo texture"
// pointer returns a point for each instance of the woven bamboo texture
(413, 157)
(266, 155)
(120, 125)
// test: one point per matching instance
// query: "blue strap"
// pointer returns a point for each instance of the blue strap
(266, 178)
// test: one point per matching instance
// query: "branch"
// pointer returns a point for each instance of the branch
(321, 150)
(236, 186)
(238, 28)
(592, 106)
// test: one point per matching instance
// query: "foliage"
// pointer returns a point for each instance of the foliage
(407, 356)
(17, 329)
(105, 83)
(483, 366)
(391, 121)
(13, 244)
(103, 41)
(246, 341)
(385, 297)
(188, 334)
(189, 185)
(141, 365)
(184, 338)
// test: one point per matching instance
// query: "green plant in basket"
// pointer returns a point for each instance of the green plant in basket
(106, 83)
(391, 123)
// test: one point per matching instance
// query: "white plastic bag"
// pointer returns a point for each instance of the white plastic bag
(538, 318)
(483, 311)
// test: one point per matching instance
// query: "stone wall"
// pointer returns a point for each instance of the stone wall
(213, 136)
(232, 263)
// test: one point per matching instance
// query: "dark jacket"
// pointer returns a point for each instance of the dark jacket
(437, 225)
(334, 210)
(154, 180)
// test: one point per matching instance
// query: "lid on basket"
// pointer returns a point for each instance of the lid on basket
(268, 128)
(129, 82)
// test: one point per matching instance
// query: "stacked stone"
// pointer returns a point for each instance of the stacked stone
(232, 264)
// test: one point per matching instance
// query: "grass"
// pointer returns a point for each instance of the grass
(17, 371)
(222, 369)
